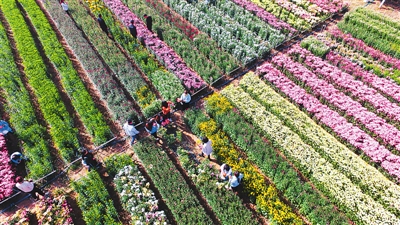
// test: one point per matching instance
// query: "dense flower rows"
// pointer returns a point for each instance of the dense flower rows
(331, 6)
(137, 197)
(265, 16)
(359, 206)
(346, 82)
(333, 120)
(55, 210)
(22, 114)
(166, 55)
(340, 101)
(6, 172)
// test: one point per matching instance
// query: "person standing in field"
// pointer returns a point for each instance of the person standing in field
(206, 148)
(64, 6)
(102, 24)
(132, 29)
(28, 187)
(130, 130)
(149, 22)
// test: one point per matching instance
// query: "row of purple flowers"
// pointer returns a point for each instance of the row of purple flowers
(330, 118)
(166, 55)
(6, 171)
(342, 102)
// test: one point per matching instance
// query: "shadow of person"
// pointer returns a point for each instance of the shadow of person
(159, 34)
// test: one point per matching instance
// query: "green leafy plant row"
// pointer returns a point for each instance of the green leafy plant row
(268, 201)
(81, 100)
(173, 188)
(120, 107)
(21, 112)
(112, 55)
(316, 46)
(310, 203)
(94, 200)
(227, 206)
(60, 122)
(202, 53)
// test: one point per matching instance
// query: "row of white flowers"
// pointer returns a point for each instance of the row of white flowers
(347, 162)
(334, 184)
(137, 197)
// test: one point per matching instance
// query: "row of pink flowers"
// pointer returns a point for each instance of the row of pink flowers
(168, 56)
(359, 45)
(384, 85)
(372, 122)
(331, 6)
(265, 16)
(354, 135)
(298, 11)
(347, 83)
(7, 174)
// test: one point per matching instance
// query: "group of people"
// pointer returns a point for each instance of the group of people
(234, 180)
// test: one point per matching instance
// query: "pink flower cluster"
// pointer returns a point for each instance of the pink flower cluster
(372, 122)
(347, 82)
(384, 85)
(354, 135)
(331, 6)
(264, 15)
(168, 56)
(359, 45)
(7, 174)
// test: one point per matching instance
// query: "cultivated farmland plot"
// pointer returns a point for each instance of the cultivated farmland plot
(302, 97)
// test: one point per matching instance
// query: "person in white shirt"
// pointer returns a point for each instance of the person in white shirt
(64, 6)
(226, 172)
(28, 187)
(130, 130)
(235, 181)
(206, 148)
(183, 102)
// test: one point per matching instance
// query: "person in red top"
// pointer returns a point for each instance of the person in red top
(166, 109)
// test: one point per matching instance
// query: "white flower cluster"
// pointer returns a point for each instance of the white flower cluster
(137, 197)
(333, 183)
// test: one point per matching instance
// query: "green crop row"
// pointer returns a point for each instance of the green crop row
(60, 122)
(21, 112)
(81, 100)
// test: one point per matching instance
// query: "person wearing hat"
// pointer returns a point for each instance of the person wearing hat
(130, 130)
(17, 157)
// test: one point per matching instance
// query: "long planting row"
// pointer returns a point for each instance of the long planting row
(346, 83)
(317, 209)
(22, 115)
(362, 24)
(347, 131)
(360, 207)
(328, 147)
(7, 173)
(181, 44)
(119, 105)
(206, 46)
(63, 134)
(164, 53)
(134, 191)
(94, 201)
(91, 117)
(353, 110)
(173, 188)
(266, 195)
(247, 40)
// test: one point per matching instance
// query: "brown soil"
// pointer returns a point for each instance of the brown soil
(391, 8)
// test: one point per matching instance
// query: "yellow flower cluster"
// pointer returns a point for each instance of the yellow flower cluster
(144, 96)
(95, 5)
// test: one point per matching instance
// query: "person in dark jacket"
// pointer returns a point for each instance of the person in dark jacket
(149, 22)
(132, 29)
(102, 24)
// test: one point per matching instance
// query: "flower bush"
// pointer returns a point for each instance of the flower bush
(315, 46)
(137, 197)
(163, 52)
(21, 217)
(350, 198)
(176, 193)
(266, 195)
(6, 172)
(61, 129)
(316, 208)
(346, 83)
(81, 100)
(340, 102)
(55, 210)
(205, 177)
(110, 92)
(22, 117)
(94, 200)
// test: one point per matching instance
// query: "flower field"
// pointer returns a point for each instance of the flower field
(310, 117)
